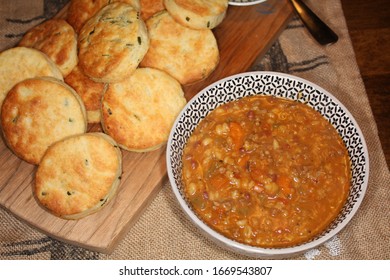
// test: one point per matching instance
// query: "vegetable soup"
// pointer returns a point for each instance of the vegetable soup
(266, 171)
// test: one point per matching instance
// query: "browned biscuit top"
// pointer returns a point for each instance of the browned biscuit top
(78, 175)
(197, 14)
(38, 112)
(188, 55)
(57, 39)
(19, 63)
(203, 8)
(151, 7)
(112, 43)
(80, 11)
(139, 112)
(90, 92)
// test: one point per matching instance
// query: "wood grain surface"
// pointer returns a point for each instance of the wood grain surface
(369, 28)
(246, 33)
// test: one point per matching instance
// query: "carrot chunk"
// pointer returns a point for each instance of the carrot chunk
(285, 183)
(237, 134)
(219, 181)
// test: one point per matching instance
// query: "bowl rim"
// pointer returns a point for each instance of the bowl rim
(246, 249)
(248, 3)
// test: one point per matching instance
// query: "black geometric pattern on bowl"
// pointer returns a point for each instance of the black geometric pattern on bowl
(284, 86)
(245, 2)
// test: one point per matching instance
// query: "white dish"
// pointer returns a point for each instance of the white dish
(281, 85)
(245, 2)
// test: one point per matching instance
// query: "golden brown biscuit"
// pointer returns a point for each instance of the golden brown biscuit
(151, 7)
(188, 55)
(112, 43)
(197, 14)
(90, 92)
(80, 11)
(38, 112)
(139, 112)
(57, 39)
(79, 175)
(19, 63)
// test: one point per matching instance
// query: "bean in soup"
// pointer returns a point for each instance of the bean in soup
(266, 171)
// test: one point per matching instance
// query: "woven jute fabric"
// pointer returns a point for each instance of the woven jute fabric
(163, 231)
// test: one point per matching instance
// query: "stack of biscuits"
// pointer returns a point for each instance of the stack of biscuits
(120, 63)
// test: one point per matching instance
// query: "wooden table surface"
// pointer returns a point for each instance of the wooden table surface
(369, 27)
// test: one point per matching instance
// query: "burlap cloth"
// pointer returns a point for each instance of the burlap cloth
(163, 232)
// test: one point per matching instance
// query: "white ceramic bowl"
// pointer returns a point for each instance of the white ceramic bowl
(281, 85)
(244, 2)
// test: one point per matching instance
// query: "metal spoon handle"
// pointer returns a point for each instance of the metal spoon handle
(318, 29)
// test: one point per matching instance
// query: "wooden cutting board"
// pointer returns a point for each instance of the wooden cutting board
(246, 33)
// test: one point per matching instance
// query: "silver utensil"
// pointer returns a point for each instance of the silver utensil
(318, 29)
